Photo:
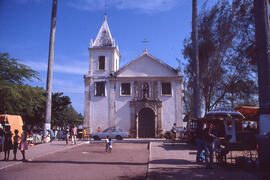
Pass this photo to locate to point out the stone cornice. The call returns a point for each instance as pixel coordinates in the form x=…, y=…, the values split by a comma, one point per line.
x=162, y=78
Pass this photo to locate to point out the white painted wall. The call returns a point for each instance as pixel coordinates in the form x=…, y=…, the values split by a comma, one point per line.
x=99, y=109
x=145, y=66
x=123, y=107
x=168, y=107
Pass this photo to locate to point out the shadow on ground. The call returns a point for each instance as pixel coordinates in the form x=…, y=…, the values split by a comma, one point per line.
x=177, y=146
x=173, y=169
x=88, y=162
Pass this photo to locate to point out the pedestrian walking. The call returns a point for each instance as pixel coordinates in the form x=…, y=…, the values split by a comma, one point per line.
x=173, y=133
x=52, y=135
x=200, y=157
x=84, y=134
x=107, y=143
x=16, y=138
x=67, y=136
x=7, y=142
x=23, y=144
x=74, y=134
x=110, y=145
x=210, y=135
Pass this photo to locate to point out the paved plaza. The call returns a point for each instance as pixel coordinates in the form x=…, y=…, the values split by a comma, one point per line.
x=130, y=159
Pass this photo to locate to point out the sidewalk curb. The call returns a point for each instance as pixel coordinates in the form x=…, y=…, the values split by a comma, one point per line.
x=149, y=159
x=17, y=163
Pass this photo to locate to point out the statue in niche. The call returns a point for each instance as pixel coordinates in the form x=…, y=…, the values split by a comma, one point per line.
x=145, y=90
x=136, y=91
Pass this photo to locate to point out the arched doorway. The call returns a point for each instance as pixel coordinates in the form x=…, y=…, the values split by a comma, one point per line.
x=146, y=123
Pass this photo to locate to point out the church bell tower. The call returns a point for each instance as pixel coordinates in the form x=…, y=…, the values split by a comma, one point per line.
x=103, y=53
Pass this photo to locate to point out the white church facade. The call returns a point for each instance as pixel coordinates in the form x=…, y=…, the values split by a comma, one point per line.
x=143, y=97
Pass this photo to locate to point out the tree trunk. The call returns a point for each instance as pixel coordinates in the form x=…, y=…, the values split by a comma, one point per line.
x=262, y=34
x=196, y=85
x=47, y=124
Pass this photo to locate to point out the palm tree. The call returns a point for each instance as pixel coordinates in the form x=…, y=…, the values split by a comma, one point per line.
x=196, y=85
x=47, y=124
x=262, y=34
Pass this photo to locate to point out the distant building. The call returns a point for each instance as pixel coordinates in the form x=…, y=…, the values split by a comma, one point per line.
x=143, y=97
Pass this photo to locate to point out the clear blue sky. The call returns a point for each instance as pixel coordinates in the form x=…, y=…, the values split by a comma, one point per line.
x=25, y=30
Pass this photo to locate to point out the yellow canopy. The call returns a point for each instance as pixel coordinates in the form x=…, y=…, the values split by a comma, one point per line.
x=15, y=122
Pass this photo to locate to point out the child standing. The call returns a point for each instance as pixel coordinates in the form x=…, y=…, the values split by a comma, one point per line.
x=15, y=144
x=23, y=144
x=67, y=137
x=107, y=143
x=110, y=145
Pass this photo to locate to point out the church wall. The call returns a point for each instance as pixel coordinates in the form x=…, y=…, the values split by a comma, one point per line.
x=141, y=69
x=99, y=111
x=168, y=108
x=123, y=108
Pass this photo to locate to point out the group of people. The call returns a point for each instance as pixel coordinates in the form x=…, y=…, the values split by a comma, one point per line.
x=207, y=140
x=19, y=142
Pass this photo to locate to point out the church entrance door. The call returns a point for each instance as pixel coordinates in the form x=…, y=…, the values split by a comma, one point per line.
x=146, y=123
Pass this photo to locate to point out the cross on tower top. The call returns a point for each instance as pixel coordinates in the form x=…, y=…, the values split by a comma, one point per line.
x=144, y=42
x=106, y=6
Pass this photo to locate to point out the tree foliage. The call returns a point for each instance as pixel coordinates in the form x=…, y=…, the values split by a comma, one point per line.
x=226, y=53
x=25, y=100
x=20, y=99
x=12, y=72
x=63, y=114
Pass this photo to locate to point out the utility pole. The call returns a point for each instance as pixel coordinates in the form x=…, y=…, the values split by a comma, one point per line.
x=262, y=34
x=47, y=124
x=263, y=61
x=195, y=60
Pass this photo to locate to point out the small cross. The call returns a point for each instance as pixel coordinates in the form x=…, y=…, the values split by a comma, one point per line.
x=106, y=6
x=144, y=42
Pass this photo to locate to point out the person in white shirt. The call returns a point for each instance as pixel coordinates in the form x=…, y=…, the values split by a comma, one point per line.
x=74, y=134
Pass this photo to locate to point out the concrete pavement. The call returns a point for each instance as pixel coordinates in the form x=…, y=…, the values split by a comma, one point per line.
x=37, y=151
x=169, y=161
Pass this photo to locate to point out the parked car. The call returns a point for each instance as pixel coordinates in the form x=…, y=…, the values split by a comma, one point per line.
x=114, y=133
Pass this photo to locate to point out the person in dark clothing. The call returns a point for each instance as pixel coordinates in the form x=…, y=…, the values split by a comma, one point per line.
x=225, y=149
x=210, y=134
x=16, y=138
x=7, y=142
x=199, y=142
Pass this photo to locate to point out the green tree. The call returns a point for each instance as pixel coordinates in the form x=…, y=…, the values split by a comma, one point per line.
x=12, y=72
x=59, y=105
x=25, y=100
x=17, y=98
x=71, y=117
x=226, y=52
x=63, y=114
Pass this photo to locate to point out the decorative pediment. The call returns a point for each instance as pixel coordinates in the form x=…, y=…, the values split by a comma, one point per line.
x=146, y=66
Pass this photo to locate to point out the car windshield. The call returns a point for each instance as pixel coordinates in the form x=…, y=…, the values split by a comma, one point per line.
x=113, y=130
x=108, y=130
